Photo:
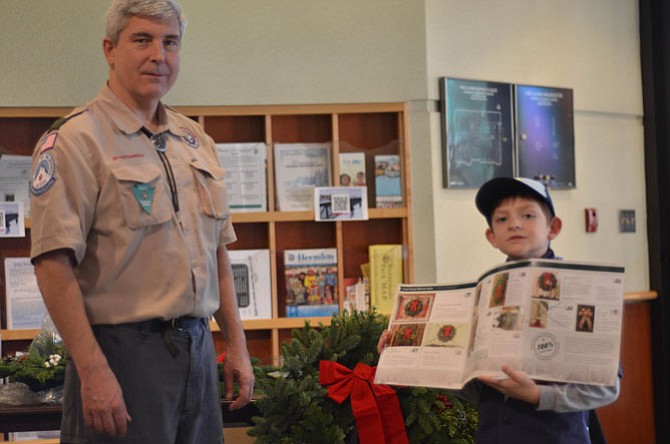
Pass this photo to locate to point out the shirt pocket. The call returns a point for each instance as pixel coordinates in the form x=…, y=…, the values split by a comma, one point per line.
x=211, y=190
x=143, y=195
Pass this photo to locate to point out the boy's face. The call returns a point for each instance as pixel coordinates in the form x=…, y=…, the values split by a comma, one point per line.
x=520, y=229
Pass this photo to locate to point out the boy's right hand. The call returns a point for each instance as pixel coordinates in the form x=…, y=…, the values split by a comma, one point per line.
x=517, y=385
x=383, y=341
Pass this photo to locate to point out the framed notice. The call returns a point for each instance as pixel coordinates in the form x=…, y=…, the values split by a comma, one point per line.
x=545, y=135
x=477, y=131
x=340, y=203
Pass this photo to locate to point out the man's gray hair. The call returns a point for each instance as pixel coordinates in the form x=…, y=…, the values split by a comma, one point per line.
x=121, y=11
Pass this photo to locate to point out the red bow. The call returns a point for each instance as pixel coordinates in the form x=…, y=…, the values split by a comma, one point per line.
x=367, y=401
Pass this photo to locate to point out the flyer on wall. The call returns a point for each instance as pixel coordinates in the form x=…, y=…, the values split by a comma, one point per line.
x=477, y=131
x=545, y=133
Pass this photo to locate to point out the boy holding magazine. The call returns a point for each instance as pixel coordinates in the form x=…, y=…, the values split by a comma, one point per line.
x=518, y=410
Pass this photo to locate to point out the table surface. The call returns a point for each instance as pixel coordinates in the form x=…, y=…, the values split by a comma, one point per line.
x=47, y=417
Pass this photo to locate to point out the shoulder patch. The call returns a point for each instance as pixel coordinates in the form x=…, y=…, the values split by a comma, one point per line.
x=58, y=123
x=44, y=175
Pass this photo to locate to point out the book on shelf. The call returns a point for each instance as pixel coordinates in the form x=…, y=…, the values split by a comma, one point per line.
x=244, y=165
x=299, y=168
x=386, y=272
x=311, y=282
x=251, y=275
x=25, y=306
x=555, y=320
x=388, y=181
x=352, y=170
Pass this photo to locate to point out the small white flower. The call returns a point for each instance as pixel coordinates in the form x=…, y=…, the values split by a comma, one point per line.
x=47, y=365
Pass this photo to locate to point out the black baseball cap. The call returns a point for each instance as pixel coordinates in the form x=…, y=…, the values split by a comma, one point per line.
x=499, y=188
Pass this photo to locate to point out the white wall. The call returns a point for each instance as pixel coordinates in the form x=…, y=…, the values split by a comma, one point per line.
x=316, y=51
x=235, y=52
x=589, y=46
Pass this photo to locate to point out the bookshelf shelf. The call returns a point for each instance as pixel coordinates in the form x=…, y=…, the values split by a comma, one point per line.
x=374, y=129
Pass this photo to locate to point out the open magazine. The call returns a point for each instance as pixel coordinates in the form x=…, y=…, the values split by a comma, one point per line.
x=555, y=320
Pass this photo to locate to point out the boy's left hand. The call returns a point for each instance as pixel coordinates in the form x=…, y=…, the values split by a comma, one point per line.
x=518, y=385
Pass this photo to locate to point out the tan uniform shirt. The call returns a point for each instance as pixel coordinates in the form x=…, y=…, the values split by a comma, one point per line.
x=101, y=190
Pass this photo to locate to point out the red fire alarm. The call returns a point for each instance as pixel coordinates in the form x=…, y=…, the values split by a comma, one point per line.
x=591, y=220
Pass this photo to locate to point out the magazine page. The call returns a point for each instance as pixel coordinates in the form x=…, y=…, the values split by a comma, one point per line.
x=503, y=294
x=568, y=329
x=430, y=335
x=555, y=320
x=299, y=168
x=310, y=277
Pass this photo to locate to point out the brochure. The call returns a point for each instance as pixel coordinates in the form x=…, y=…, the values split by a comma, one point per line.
x=15, y=178
x=251, y=274
x=244, y=164
x=25, y=306
x=12, y=219
x=386, y=273
x=352, y=169
x=388, y=181
x=555, y=320
x=299, y=168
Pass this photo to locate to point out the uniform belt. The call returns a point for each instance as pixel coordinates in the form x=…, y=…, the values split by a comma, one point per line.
x=178, y=324
x=166, y=327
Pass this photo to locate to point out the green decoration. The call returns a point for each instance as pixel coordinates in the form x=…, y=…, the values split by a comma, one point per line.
x=296, y=410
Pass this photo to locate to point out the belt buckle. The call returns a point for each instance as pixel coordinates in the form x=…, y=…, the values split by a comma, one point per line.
x=175, y=324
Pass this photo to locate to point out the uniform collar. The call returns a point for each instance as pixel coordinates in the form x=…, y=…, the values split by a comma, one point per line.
x=549, y=254
x=127, y=122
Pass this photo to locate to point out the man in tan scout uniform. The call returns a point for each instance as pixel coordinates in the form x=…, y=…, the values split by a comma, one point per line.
x=129, y=234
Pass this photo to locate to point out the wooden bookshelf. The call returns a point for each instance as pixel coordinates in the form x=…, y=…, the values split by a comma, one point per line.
x=376, y=128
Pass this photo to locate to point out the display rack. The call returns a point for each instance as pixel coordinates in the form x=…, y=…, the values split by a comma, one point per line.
x=379, y=128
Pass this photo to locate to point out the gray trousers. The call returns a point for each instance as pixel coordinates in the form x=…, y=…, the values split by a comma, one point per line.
x=169, y=380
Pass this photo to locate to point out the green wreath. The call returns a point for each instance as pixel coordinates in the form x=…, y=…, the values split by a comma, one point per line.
x=446, y=333
x=413, y=307
x=294, y=406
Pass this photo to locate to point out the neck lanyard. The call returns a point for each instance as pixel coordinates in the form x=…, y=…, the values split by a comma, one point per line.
x=158, y=141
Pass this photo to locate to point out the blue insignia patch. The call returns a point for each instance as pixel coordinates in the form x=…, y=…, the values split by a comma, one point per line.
x=144, y=193
x=44, y=175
